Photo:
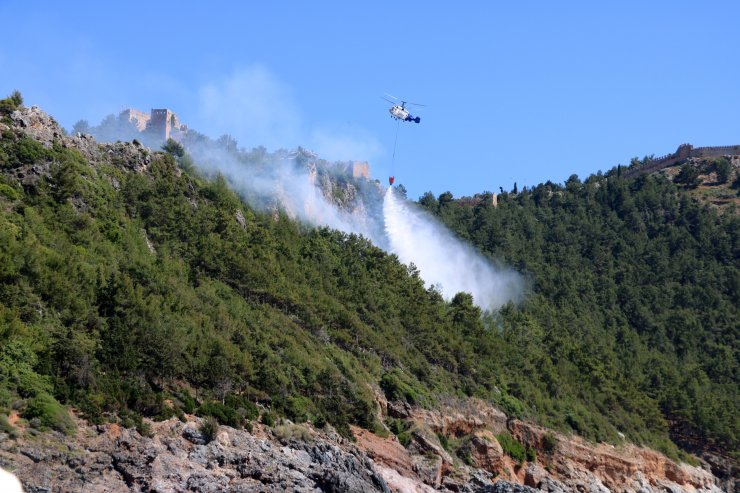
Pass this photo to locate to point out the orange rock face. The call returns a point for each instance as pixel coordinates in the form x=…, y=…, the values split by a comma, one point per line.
x=386, y=451
x=563, y=462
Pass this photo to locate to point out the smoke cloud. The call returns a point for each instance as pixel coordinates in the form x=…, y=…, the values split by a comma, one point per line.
x=272, y=181
x=397, y=226
x=445, y=261
x=252, y=105
x=256, y=108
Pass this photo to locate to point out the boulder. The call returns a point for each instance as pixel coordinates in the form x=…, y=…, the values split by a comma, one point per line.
x=485, y=451
x=428, y=469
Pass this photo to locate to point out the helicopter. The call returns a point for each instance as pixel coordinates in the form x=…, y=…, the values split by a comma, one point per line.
x=399, y=111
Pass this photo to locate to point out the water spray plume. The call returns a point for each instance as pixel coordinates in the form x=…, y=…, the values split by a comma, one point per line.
x=445, y=261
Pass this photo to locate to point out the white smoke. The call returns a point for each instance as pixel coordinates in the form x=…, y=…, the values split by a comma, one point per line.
x=445, y=261
x=284, y=184
x=346, y=143
x=404, y=229
x=255, y=106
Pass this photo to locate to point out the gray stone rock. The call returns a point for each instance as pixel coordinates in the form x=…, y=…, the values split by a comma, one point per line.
x=506, y=487
x=175, y=460
x=194, y=435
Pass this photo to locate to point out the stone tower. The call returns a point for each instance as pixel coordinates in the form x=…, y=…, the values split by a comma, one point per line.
x=162, y=122
x=361, y=169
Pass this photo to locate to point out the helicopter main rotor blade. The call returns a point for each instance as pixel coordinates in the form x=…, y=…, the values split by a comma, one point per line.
x=415, y=104
x=392, y=102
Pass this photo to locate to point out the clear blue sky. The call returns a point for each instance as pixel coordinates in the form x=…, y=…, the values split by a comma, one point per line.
x=515, y=91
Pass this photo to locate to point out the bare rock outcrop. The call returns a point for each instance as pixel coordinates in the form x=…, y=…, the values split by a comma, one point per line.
x=37, y=125
x=564, y=464
x=460, y=418
x=176, y=458
x=485, y=452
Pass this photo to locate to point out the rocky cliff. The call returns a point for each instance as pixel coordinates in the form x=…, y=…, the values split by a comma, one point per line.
x=175, y=456
x=456, y=445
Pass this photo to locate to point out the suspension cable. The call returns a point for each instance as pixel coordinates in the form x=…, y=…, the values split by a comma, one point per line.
x=395, y=141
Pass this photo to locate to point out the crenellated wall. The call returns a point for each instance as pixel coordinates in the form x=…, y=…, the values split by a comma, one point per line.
x=716, y=151
x=684, y=152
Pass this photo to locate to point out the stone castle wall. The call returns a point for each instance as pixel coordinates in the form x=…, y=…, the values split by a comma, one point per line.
x=136, y=118
x=161, y=122
x=684, y=152
x=716, y=151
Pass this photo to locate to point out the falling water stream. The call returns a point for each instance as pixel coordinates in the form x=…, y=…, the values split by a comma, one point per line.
x=443, y=260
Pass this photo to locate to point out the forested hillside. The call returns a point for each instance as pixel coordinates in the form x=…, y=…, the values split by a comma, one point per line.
x=131, y=286
x=634, y=313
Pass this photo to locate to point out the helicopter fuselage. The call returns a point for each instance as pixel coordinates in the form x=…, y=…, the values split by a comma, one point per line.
x=400, y=113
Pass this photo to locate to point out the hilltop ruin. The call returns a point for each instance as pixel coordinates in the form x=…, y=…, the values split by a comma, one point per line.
x=162, y=123
x=683, y=153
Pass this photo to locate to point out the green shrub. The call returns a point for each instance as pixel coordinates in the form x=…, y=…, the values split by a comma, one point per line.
x=9, y=191
x=268, y=419
x=320, y=421
x=549, y=442
x=398, y=386
x=244, y=407
x=226, y=415
x=404, y=438
x=11, y=103
x=29, y=151
x=50, y=413
x=292, y=432
x=400, y=428
x=466, y=457
x=444, y=441
x=723, y=167
x=92, y=405
x=17, y=362
x=297, y=408
x=511, y=447
x=531, y=455
x=6, y=399
x=167, y=412
x=511, y=405
x=188, y=403
x=144, y=428
x=688, y=175
x=378, y=429
x=576, y=422
x=6, y=427
x=209, y=427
